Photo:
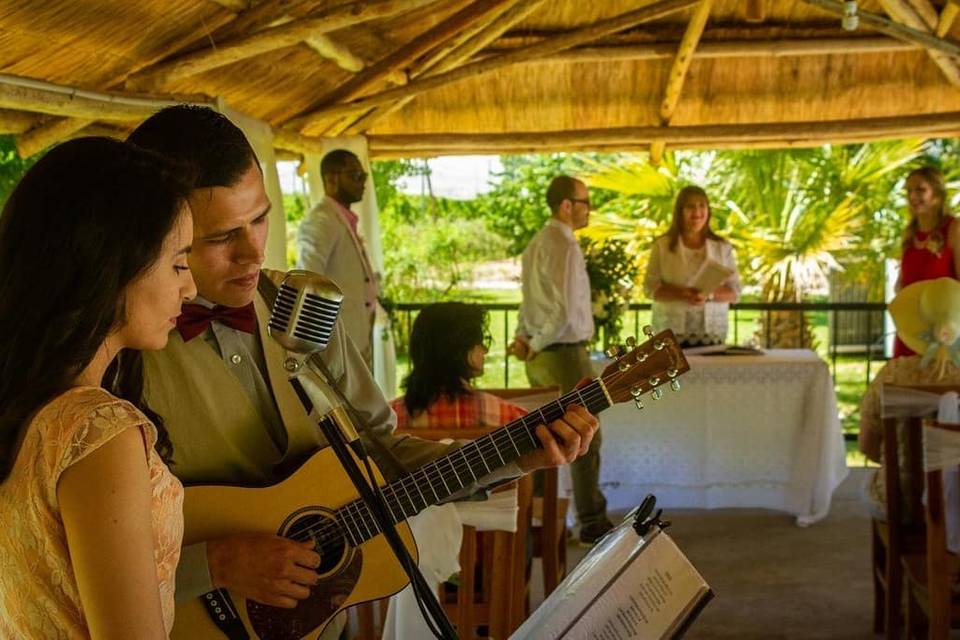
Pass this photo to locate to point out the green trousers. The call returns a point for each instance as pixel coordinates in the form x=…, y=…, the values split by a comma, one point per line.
x=564, y=367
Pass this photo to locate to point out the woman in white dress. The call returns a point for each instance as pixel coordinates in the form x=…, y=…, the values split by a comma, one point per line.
x=692, y=274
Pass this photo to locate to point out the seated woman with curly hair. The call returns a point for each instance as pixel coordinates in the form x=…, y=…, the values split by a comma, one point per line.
x=447, y=347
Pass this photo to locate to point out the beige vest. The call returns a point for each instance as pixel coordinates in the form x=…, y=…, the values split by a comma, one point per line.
x=216, y=430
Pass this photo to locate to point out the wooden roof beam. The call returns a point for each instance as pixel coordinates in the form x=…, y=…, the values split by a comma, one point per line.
x=404, y=56
x=756, y=11
x=920, y=15
x=461, y=50
x=947, y=18
x=271, y=39
x=679, y=69
x=341, y=55
x=574, y=38
x=698, y=136
x=39, y=138
x=894, y=29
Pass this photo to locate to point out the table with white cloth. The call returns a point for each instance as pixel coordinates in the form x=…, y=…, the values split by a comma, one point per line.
x=759, y=431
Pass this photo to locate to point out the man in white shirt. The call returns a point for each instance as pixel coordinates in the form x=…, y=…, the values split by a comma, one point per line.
x=556, y=323
x=329, y=243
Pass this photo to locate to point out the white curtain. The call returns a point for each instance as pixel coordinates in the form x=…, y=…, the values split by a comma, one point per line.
x=260, y=136
x=384, y=353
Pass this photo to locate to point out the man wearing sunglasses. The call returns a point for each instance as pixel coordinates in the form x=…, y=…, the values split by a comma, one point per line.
x=329, y=243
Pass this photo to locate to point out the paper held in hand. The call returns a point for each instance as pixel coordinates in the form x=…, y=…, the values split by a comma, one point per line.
x=709, y=276
x=627, y=588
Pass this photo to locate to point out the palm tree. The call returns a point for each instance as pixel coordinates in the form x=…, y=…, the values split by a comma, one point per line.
x=794, y=215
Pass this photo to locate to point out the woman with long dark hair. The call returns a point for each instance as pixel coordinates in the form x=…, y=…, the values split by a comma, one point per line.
x=93, y=248
x=931, y=241
x=676, y=260
x=447, y=348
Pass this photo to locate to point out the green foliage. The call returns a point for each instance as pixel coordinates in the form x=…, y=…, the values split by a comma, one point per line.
x=612, y=271
x=12, y=166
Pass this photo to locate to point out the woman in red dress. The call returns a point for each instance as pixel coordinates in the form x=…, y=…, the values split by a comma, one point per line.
x=931, y=243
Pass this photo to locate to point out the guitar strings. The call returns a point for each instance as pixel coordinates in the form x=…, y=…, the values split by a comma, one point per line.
x=358, y=512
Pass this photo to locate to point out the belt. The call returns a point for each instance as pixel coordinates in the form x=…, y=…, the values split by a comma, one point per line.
x=564, y=345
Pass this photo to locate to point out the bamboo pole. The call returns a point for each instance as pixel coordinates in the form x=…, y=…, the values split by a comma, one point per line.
x=734, y=49
x=39, y=138
x=947, y=18
x=236, y=6
x=679, y=69
x=26, y=94
x=917, y=15
x=405, y=55
x=12, y=121
x=270, y=39
x=744, y=134
x=473, y=41
x=891, y=28
x=583, y=35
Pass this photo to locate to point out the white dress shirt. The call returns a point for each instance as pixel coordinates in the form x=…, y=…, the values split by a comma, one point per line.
x=556, y=290
x=706, y=323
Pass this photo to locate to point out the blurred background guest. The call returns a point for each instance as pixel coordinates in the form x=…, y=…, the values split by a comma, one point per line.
x=676, y=260
x=931, y=242
x=447, y=348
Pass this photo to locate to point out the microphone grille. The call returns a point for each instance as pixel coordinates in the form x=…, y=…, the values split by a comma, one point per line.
x=305, y=312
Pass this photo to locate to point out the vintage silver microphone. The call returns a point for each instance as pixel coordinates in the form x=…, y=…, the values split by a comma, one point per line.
x=305, y=312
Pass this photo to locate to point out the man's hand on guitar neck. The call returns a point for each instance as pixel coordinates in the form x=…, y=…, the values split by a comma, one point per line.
x=266, y=568
x=564, y=440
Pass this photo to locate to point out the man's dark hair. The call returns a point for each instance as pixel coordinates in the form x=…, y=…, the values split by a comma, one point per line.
x=442, y=336
x=86, y=221
x=335, y=161
x=200, y=138
x=561, y=188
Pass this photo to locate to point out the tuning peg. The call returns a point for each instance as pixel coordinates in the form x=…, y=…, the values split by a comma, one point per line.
x=675, y=385
x=638, y=403
x=636, y=392
x=613, y=351
x=631, y=342
x=672, y=373
x=656, y=394
x=623, y=365
x=642, y=357
x=658, y=345
x=648, y=331
x=654, y=381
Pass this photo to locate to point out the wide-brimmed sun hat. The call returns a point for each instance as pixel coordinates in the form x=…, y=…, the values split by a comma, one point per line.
x=927, y=316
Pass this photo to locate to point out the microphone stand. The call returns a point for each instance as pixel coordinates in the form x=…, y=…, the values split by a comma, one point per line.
x=371, y=497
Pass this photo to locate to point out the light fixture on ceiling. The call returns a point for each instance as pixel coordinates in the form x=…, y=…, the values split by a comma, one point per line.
x=851, y=18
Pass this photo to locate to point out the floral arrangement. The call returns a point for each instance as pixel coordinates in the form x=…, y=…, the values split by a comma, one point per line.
x=613, y=272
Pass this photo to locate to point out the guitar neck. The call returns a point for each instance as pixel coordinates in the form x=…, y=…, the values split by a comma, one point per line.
x=436, y=481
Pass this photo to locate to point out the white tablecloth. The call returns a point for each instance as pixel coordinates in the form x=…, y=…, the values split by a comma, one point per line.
x=744, y=431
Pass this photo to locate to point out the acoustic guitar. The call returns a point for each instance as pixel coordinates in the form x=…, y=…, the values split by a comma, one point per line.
x=317, y=502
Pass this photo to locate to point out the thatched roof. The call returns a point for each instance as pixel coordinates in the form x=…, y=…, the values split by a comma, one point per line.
x=490, y=75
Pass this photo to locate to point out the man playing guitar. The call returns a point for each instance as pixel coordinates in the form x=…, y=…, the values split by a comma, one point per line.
x=220, y=385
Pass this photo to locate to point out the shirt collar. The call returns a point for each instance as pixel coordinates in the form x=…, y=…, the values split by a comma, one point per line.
x=567, y=231
x=349, y=217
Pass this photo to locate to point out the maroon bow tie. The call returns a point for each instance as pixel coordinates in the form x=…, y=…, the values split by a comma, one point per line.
x=195, y=318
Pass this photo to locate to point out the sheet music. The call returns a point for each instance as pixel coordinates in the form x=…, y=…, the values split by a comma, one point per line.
x=627, y=588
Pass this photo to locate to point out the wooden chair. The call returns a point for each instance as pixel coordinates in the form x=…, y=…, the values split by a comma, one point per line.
x=499, y=556
x=902, y=532
x=549, y=511
x=933, y=605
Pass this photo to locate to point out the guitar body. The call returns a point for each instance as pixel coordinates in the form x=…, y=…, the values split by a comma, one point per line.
x=306, y=499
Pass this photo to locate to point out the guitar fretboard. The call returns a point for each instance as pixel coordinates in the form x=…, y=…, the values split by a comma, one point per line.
x=438, y=480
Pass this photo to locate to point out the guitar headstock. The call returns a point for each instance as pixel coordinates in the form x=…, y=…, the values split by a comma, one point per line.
x=645, y=367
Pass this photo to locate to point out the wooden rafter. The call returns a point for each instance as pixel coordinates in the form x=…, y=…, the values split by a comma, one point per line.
x=271, y=39
x=679, y=69
x=41, y=137
x=406, y=54
x=344, y=58
x=699, y=136
x=236, y=6
x=459, y=54
x=947, y=17
x=920, y=15
x=735, y=49
x=576, y=37
x=755, y=11
x=891, y=28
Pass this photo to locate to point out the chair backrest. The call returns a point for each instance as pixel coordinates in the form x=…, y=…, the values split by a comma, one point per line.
x=941, y=564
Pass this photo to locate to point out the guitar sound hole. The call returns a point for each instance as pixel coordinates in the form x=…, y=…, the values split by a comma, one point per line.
x=318, y=524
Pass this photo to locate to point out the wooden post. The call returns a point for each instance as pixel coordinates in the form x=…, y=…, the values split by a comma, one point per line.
x=678, y=72
x=270, y=39
x=583, y=35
